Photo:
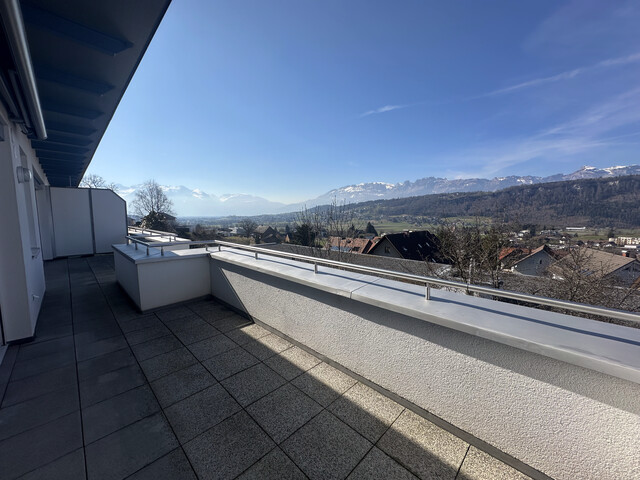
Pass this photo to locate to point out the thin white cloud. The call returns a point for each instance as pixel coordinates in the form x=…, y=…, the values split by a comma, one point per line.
x=603, y=125
x=386, y=108
x=611, y=62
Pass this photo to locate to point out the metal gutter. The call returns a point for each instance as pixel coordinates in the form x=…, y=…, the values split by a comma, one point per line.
x=14, y=27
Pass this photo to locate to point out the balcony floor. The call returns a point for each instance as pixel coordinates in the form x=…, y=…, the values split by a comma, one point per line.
x=197, y=391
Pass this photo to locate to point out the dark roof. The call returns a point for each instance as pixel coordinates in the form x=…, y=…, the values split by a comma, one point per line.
x=84, y=54
x=420, y=245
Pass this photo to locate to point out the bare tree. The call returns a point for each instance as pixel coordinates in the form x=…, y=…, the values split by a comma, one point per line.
x=92, y=180
x=341, y=223
x=581, y=277
x=473, y=250
x=248, y=225
x=151, y=198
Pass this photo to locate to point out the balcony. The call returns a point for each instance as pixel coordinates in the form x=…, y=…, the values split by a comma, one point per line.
x=196, y=390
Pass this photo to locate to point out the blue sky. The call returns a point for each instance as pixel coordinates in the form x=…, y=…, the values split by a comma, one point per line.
x=288, y=99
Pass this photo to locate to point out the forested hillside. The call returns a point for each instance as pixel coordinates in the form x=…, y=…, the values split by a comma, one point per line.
x=591, y=202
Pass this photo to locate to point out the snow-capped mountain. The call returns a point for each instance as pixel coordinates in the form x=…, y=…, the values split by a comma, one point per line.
x=187, y=202
x=429, y=185
x=196, y=202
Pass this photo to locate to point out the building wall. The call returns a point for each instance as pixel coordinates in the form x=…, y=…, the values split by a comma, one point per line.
x=22, y=284
x=384, y=248
x=567, y=421
x=535, y=264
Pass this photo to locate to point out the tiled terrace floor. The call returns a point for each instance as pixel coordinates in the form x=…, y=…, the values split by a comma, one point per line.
x=197, y=391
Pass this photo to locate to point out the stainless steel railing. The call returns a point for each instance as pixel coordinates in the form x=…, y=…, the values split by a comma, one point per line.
x=427, y=281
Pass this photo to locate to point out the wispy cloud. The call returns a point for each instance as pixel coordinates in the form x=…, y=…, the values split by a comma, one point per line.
x=608, y=124
x=611, y=62
x=386, y=108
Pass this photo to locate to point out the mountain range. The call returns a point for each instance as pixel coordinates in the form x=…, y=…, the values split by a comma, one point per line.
x=195, y=202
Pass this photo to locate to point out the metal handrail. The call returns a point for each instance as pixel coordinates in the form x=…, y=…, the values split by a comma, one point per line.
x=427, y=281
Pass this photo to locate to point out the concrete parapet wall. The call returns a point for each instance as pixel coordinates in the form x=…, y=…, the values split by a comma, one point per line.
x=562, y=419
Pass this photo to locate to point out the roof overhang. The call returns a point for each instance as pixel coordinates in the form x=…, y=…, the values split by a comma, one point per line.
x=83, y=55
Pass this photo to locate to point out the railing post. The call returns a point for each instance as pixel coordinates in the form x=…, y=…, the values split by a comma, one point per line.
x=427, y=292
x=162, y=251
x=219, y=248
x=256, y=255
x=136, y=244
x=315, y=267
x=147, y=249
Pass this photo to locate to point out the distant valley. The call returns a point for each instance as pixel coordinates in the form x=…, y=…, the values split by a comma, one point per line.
x=195, y=202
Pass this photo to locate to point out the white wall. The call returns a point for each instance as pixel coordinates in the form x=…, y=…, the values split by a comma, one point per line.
x=109, y=219
x=22, y=282
x=85, y=221
x=567, y=421
x=71, y=221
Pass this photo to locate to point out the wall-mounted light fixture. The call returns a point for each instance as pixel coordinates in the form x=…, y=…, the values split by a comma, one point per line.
x=24, y=175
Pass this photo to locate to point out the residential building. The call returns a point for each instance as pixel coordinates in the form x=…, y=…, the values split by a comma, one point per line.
x=349, y=244
x=267, y=234
x=623, y=270
x=536, y=263
x=413, y=245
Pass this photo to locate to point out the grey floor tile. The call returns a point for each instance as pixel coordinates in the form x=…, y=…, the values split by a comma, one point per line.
x=167, y=363
x=105, y=363
x=326, y=448
x=366, y=411
x=37, y=411
x=201, y=411
x=266, y=346
x=184, y=323
x=161, y=345
x=172, y=313
x=116, y=412
x=246, y=334
x=36, y=385
x=43, y=364
x=229, y=448
x=253, y=383
x=196, y=333
x=214, y=313
x=379, y=466
x=230, y=322
x=128, y=450
x=146, y=334
x=274, y=465
x=292, y=362
x=70, y=466
x=96, y=334
x=28, y=352
x=51, y=332
x=39, y=446
x=173, y=466
x=229, y=363
x=139, y=323
x=479, y=465
x=107, y=385
x=423, y=448
x=324, y=383
x=211, y=347
x=283, y=411
x=101, y=347
x=181, y=384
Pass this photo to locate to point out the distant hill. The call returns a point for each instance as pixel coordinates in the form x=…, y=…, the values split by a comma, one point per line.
x=596, y=202
x=195, y=202
x=425, y=186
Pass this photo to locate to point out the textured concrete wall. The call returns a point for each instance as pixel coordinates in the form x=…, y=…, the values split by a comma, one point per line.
x=566, y=421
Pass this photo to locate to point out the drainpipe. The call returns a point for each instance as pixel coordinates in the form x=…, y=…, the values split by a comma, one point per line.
x=14, y=28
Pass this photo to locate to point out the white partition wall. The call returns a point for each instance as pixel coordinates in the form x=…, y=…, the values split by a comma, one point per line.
x=109, y=219
x=83, y=221
x=71, y=221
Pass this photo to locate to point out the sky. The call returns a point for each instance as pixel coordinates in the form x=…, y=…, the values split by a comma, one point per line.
x=287, y=99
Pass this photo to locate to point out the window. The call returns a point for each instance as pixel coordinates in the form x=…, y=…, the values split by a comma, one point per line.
x=387, y=249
